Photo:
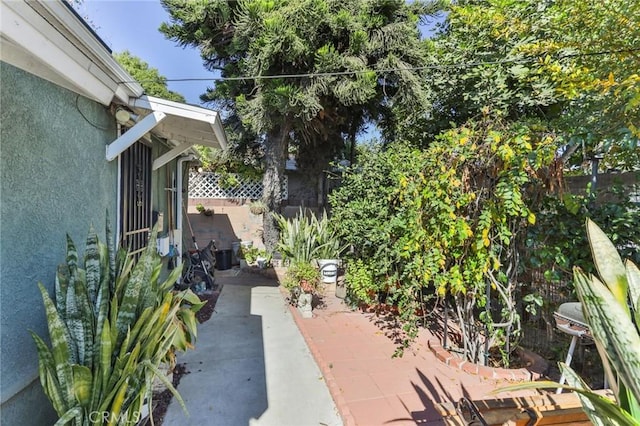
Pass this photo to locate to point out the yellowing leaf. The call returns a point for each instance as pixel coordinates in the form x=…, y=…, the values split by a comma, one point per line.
x=531, y=218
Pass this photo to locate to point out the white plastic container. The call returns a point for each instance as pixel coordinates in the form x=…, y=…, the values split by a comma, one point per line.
x=328, y=270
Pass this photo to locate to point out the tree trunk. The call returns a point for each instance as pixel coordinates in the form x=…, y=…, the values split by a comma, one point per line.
x=272, y=183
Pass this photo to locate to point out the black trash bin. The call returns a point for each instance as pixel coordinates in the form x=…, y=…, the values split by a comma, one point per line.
x=223, y=259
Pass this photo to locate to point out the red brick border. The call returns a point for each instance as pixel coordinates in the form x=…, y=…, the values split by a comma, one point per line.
x=534, y=372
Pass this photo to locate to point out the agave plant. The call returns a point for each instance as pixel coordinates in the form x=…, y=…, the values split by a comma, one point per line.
x=112, y=323
x=298, y=237
x=611, y=303
x=305, y=238
x=328, y=243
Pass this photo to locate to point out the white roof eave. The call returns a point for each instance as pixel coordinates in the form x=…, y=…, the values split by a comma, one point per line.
x=47, y=39
x=184, y=117
x=181, y=124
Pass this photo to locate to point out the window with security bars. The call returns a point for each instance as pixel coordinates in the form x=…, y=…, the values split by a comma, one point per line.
x=135, y=205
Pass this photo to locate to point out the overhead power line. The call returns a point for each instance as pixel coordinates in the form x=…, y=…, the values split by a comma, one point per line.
x=388, y=70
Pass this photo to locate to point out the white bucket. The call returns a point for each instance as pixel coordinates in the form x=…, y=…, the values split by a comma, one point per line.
x=235, y=246
x=328, y=270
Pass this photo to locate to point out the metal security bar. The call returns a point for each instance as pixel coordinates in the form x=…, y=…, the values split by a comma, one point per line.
x=135, y=189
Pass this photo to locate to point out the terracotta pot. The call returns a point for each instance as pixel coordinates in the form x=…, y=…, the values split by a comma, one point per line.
x=306, y=286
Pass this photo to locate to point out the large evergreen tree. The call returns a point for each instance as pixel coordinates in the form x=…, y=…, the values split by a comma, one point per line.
x=351, y=61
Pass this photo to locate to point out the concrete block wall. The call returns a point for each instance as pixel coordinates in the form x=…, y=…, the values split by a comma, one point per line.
x=231, y=221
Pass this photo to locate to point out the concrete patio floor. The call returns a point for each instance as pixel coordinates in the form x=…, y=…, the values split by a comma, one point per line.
x=253, y=367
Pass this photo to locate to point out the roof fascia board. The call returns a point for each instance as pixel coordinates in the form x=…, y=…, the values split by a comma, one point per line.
x=174, y=108
x=218, y=129
x=183, y=110
x=95, y=47
x=19, y=58
x=130, y=137
x=23, y=29
x=60, y=47
x=170, y=155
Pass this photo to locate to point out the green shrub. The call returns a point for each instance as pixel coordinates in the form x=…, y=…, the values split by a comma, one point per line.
x=327, y=239
x=303, y=275
x=297, y=238
x=359, y=279
x=367, y=216
x=447, y=222
x=305, y=238
x=250, y=254
x=557, y=242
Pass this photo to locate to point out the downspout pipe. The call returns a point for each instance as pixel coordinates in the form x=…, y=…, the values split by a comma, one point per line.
x=180, y=199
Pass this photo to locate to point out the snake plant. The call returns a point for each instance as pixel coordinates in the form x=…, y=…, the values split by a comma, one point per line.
x=305, y=238
x=111, y=324
x=611, y=303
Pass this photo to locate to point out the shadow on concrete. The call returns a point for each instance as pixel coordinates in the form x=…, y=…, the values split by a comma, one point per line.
x=226, y=380
x=251, y=365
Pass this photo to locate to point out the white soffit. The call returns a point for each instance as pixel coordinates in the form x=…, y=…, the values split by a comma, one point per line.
x=184, y=123
x=181, y=124
x=47, y=39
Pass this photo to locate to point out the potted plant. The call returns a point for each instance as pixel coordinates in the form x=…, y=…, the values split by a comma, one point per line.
x=203, y=210
x=263, y=259
x=250, y=254
x=302, y=280
x=257, y=207
x=328, y=259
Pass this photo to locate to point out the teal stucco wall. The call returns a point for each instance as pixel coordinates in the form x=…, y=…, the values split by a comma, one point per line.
x=54, y=180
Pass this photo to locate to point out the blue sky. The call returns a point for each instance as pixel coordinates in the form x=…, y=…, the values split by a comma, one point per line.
x=133, y=25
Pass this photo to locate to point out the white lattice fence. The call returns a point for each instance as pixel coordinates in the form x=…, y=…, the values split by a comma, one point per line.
x=205, y=185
